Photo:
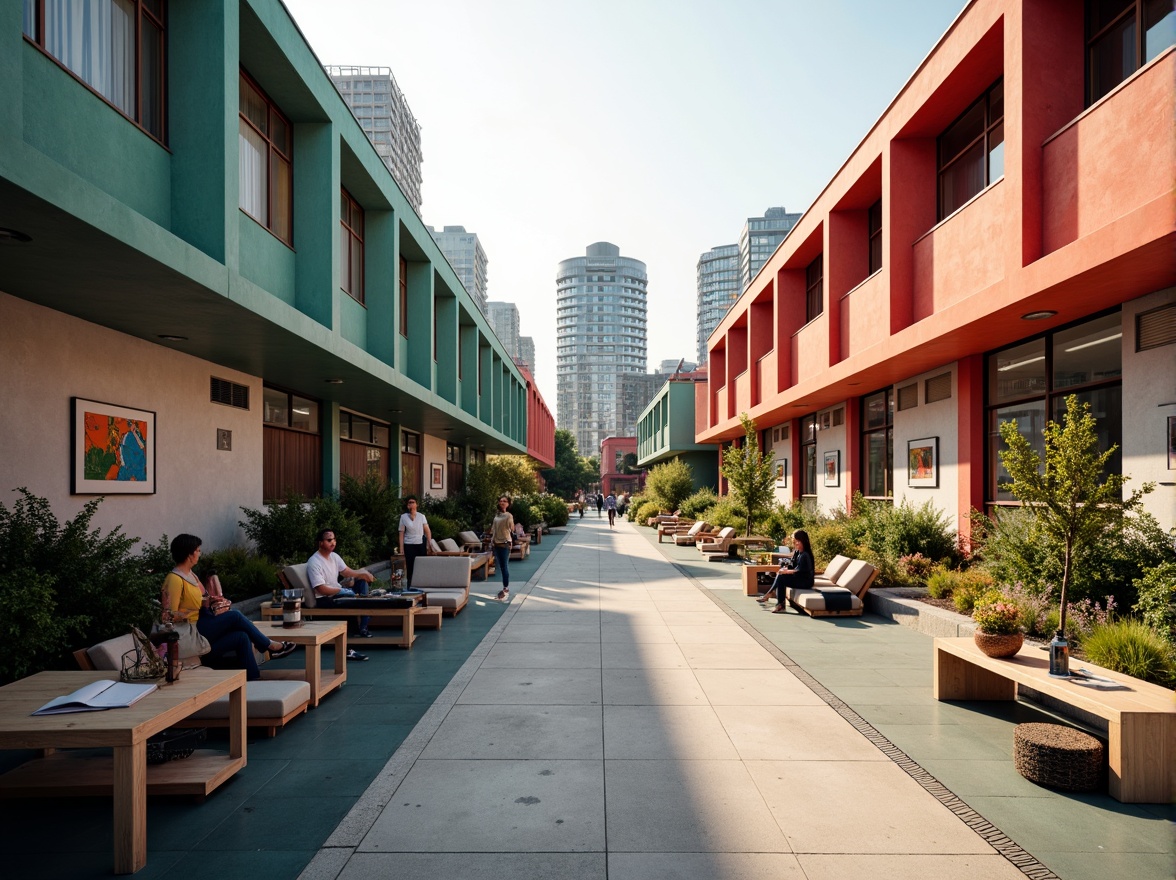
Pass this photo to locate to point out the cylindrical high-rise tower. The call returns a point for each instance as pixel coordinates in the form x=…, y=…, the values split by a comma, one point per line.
x=600, y=311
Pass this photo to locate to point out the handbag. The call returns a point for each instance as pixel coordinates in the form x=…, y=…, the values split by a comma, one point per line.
x=192, y=643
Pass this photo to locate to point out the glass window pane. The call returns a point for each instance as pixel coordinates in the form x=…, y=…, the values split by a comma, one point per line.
x=97, y=42
x=962, y=179
x=356, y=268
x=1030, y=419
x=30, y=18
x=279, y=132
x=1100, y=13
x=380, y=435
x=275, y=407
x=282, y=217
x=155, y=7
x=1159, y=33
x=1017, y=372
x=955, y=139
x=304, y=414
x=361, y=429
x=1112, y=58
x=996, y=153
x=344, y=426
x=876, y=410
x=877, y=463
x=996, y=103
x=1091, y=352
x=253, y=106
x=254, y=187
x=150, y=77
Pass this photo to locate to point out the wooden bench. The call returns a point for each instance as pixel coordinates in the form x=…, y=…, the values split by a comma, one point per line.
x=1141, y=717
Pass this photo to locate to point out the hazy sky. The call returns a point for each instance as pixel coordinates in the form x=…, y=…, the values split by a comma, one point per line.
x=658, y=125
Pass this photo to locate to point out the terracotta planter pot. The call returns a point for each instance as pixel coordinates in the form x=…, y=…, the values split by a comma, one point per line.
x=995, y=645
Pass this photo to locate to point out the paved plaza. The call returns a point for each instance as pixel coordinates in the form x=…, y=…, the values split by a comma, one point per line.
x=629, y=715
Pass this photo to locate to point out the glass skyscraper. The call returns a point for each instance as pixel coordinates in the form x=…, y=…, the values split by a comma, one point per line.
x=759, y=239
x=464, y=252
x=600, y=335
x=718, y=287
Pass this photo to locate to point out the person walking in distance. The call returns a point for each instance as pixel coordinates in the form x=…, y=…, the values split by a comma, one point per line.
x=610, y=504
x=599, y=504
x=501, y=536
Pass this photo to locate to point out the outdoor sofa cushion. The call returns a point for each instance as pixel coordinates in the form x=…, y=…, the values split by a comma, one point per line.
x=299, y=580
x=835, y=567
x=446, y=580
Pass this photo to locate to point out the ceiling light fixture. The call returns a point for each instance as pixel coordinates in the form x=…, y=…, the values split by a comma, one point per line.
x=1023, y=363
x=1038, y=316
x=172, y=338
x=334, y=381
x=1094, y=342
x=7, y=234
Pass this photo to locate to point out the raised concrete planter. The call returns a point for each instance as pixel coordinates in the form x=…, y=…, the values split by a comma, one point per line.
x=899, y=606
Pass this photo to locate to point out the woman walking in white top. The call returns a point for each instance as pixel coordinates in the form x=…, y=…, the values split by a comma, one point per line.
x=414, y=534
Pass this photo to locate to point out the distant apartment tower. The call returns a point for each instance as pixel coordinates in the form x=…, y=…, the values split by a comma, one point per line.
x=465, y=255
x=635, y=391
x=527, y=353
x=600, y=303
x=719, y=285
x=504, y=320
x=759, y=239
x=383, y=113
x=669, y=367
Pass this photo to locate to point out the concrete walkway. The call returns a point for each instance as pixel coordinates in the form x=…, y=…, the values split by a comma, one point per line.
x=618, y=722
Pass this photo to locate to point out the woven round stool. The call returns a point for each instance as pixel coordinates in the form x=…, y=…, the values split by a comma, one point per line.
x=1058, y=756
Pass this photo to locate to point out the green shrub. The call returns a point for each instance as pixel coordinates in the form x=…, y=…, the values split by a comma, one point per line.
x=941, y=582
x=440, y=527
x=641, y=510
x=695, y=506
x=524, y=511
x=669, y=483
x=284, y=531
x=377, y=505
x=966, y=592
x=728, y=512
x=834, y=538
x=555, y=510
x=63, y=586
x=1157, y=599
x=1131, y=647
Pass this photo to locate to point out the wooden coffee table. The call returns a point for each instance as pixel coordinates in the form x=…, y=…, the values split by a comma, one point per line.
x=312, y=634
x=126, y=774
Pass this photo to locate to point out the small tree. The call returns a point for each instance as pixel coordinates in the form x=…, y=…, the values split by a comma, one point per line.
x=669, y=483
x=1072, y=503
x=752, y=477
x=572, y=471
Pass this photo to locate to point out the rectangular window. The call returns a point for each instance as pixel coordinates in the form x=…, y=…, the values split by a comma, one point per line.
x=1116, y=45
x=808, y=455
x=351, y=246
x=971, y=151
x=266, y=162
x=1028, y=383
x=874, y=223
x=116, y=47
x=404, y=297
x=286, y=410
x=878, y=444
x=814, y=297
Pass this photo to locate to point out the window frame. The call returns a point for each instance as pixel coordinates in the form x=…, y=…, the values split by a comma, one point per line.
x=806, y=471
x=1134, y=10
x=290, y=395
x=403, y=328
x=268, y=222
x=814, y=288
x=887, y=431
x=351, y=234
x=37, y=39
x=945, y=165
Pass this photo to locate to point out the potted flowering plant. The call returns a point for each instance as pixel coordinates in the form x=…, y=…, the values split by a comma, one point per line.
x=998, y=633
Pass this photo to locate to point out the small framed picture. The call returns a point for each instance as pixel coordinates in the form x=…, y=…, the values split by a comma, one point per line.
x=113, y=449
x=436, y=476
x=833, y=468
x=781, y=472
x=923, y=463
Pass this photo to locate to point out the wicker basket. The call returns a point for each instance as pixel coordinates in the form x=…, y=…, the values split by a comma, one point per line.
x=998, y=645
x=1058, y=756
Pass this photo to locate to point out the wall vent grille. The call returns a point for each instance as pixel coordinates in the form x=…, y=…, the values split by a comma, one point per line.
x=938, y=388
x=229, y=393
x=1155, y=328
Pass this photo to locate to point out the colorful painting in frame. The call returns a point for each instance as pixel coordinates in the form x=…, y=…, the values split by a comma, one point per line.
x=923, y=463
x=833, y=468
x=113, y=449
x=436, y=476
x=781, y=472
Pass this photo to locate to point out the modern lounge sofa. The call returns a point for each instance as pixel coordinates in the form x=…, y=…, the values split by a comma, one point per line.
x=445, y=580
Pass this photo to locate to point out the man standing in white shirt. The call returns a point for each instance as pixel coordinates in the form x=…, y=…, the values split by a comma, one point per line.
x=323, y=570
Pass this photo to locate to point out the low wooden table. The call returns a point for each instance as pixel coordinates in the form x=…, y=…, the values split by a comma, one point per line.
x=750, y=586
x=1141, y=717
x=126, y=774
x=746, y=544
x=406, y=616
x=313, y=634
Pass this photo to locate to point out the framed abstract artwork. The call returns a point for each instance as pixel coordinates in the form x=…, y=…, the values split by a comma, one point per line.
x=781, y=472
x=113, y=449
x=436, y=476
x=923, y=463
x=833, y=468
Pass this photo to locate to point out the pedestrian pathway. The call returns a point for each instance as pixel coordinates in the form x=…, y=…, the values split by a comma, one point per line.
x=617, y=721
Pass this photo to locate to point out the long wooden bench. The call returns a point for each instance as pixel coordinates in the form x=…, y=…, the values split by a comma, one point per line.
x=1141, y=717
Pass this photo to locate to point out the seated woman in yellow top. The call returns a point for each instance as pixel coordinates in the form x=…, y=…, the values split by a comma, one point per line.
x=229, y=632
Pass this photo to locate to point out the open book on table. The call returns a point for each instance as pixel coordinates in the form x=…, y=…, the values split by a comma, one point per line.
x=97, y=695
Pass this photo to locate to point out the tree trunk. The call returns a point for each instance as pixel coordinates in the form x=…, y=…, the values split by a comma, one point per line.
x=1065, y=583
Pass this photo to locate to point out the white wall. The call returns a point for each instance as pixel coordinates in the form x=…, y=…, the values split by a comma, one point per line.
x=1149, y=382
x=782, y=449
x=831, y=439
x=433, y=452
x=939, y=419
x=49, y=357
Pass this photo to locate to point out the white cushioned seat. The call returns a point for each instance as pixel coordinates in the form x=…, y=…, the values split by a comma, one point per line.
x=299, y=580
x=445, y=579
x=815, y=599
